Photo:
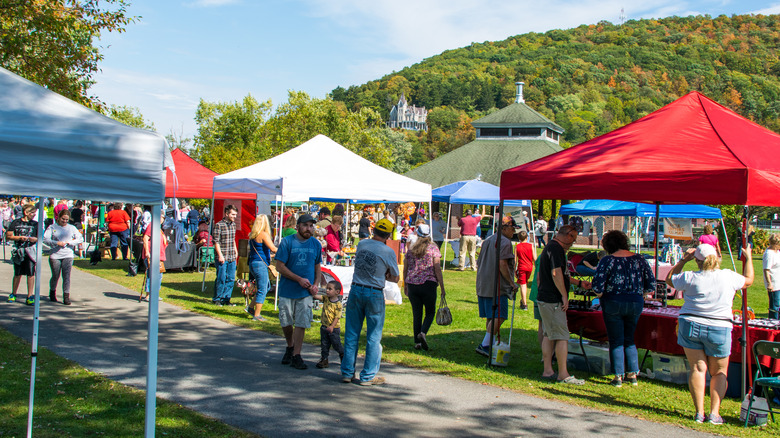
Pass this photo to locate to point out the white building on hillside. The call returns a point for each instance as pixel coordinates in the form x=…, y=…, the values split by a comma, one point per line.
x=407, y=116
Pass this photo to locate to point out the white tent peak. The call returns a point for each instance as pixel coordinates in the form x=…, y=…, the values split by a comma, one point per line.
x=320, y=168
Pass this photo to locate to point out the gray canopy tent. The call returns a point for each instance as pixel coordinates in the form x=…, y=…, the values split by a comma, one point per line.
x=77, y=153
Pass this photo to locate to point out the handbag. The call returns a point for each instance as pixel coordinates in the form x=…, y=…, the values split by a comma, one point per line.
x=32, y=252
x=443, y=315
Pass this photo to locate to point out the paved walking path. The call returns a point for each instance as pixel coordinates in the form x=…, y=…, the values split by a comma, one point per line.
x=233, y=374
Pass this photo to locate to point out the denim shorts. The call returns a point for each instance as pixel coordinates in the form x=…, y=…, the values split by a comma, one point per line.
x=715, y=341
x=486, y=307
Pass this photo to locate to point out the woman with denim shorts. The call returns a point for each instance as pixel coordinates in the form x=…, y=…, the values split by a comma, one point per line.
x=621, y=280
x=260, y=248
x=705, y=322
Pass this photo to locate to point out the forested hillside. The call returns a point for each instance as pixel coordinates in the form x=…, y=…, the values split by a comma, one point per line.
x=591, y=79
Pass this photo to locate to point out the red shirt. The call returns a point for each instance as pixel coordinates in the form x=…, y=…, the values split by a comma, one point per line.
x=525, y=256
x=117, y=220
x=163, y=243
x=468, y=225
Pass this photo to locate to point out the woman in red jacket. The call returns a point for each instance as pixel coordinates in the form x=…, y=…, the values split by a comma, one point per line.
x=333, y=238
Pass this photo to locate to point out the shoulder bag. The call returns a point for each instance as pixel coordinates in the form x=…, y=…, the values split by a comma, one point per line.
x=443, y=315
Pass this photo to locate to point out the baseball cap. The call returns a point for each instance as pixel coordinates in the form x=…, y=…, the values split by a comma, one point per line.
x=704, y=250
x=509, y=220
x=423, y=230
x=384, y=225
x=305, y=218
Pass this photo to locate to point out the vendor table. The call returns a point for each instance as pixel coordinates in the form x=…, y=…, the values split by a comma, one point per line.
x=657, y=331
x=344, y=273
x=174, y=259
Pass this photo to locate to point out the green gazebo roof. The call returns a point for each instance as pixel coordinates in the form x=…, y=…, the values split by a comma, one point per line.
x=486, y=157
x=516, y=115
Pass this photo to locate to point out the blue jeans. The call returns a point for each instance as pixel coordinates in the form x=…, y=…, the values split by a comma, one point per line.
x=223, y=284
x=620, y=319
x=117, y=238
x=259, y=271
x=369, y=304
x=774, y=304
x=540, y=241
x=193, y=228
x=584, y=270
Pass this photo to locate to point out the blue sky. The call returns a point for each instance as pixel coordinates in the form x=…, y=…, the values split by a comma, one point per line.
x=181, y=51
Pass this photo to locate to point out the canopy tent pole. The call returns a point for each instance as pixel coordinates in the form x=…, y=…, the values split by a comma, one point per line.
x=743, y=340
x=211, y=232
x=497, y=229
x=154, y=303
x=655, y=244
x=278, y=275
x=534, y=245
x=446, y=237
x=36, y=314
x=728, y=245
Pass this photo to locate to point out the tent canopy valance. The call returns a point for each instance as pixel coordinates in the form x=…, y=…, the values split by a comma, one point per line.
x=52, y=146
x=605, y=207
x=473, y=192
x=321, y=168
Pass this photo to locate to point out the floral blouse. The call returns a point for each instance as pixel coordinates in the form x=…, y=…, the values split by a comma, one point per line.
x=623, y=278
x=421, y=270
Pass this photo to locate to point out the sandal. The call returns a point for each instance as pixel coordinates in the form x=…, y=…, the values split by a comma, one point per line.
x=571, y=380
x=553, y=377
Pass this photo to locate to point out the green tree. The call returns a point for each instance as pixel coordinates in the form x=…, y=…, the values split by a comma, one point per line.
x=130, y=116
x=51, y=42
x=230, y=135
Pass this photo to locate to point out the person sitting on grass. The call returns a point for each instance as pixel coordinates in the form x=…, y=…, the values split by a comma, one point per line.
x=330, y=332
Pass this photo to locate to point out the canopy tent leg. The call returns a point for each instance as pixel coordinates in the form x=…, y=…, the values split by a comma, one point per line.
x=743, y=340
x=531, y=206
x=154, y=303
x=446, y=237
x=276, y=290
x=36, y=315
x=211, y=229
x=728, y=245
x=655, y=242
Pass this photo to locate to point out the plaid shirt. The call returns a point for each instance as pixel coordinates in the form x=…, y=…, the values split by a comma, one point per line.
x=225, y=236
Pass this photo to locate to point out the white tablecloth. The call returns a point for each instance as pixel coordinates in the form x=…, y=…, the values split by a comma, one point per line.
x=344, y=273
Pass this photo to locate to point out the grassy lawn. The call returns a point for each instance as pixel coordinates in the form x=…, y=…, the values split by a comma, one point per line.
x=452, y=349
x=73, y=402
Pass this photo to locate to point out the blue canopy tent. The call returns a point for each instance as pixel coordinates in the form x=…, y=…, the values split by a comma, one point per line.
x=605, y=207
x=472, y=192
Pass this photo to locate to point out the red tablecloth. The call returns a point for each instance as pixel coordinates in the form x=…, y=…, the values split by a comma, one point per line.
x=657, y=331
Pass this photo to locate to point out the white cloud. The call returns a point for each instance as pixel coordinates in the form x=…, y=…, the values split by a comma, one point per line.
x=774, y=9
x=419, y=29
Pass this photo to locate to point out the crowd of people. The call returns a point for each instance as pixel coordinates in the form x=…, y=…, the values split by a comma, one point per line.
x=621, y=279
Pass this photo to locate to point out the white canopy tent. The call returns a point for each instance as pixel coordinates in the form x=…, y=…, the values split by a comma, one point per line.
x=321, y=168
x=325, y=170
x=54, y=147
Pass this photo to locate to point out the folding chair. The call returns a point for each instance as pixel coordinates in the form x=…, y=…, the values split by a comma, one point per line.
x=764, y=348
x=205, y=256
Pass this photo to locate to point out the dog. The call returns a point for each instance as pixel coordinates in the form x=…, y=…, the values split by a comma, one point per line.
x=248, y=290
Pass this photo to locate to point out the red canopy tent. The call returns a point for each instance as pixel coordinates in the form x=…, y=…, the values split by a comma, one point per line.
x=193, y=180
x=693, y=150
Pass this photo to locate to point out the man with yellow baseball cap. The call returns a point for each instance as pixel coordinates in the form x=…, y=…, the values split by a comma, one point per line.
x=375, y=262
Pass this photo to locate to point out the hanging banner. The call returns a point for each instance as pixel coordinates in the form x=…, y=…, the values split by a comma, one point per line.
x=678, y=228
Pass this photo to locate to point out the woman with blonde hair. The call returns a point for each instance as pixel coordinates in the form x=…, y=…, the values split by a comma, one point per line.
x=288, y=226
x=771, y=265
x=260, y=248
x=705, y=322
x=422, y=274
